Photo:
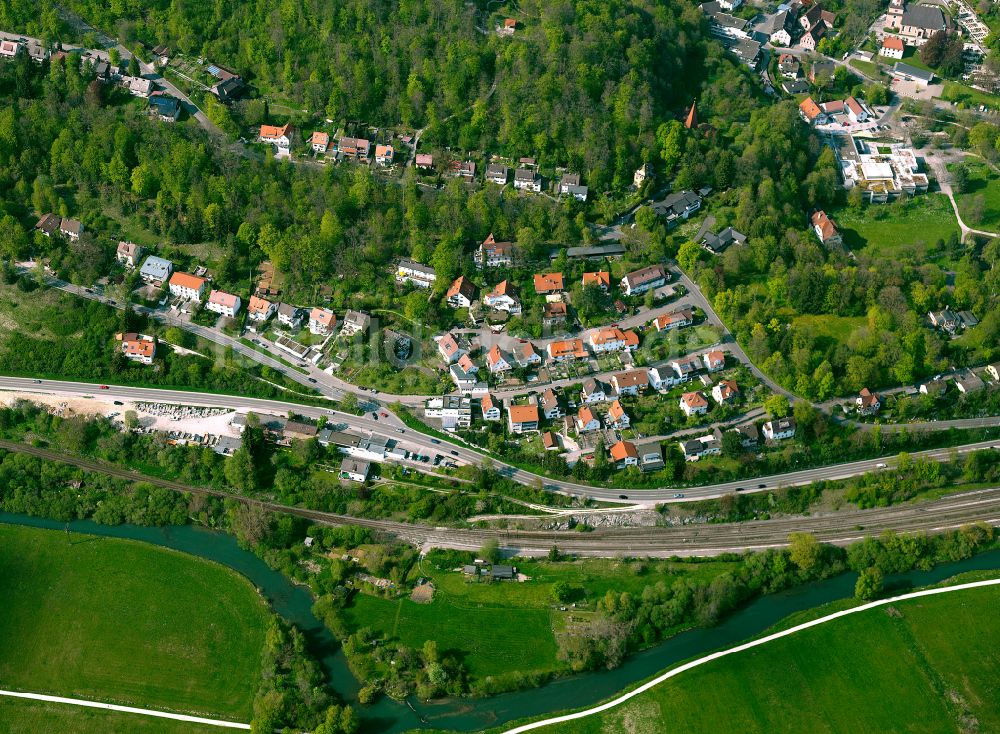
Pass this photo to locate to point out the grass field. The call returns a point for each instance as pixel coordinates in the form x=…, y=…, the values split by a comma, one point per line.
x=836, y=328
x=502, y=627
x=924, y=665
x=908, y=233
x=30, y=717
x=982, y=183
x=127, y=622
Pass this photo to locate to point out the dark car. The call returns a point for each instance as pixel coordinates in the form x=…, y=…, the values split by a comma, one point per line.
x=434, y=440
x=623, y=496
x=119, y=402
x=454, y=453
x=312, y=379
x=761, y=486
x=375, y=416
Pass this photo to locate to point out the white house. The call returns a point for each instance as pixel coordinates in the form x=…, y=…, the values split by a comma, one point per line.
x=693, y=403
x=630, y=382
x=155, y=269
x=449, y=348
x=453, y=411
x=892, y=47
x=461, y=294
x=779, y=429
x=280, y=137
x=503, y=298
x=617, y=417
x=260, y=309
x=186, y=286
x=714, y=360
x=497, y=361
x=354, y=470
x=527, y=180
x=138, y=347
x=490, y=408
x=586, y=421
x=551, y=408
x=594, y=391
x=226, y=304
x=128, y=254
x=410, y=271
x=624, y=454
x=322, y=321
x=355, y=322
x=522, y=418
x=695, y=448
x=289, y=315
x=640, y=281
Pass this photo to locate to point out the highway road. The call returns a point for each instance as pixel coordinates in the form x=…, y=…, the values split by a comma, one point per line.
x=839, y=528
x=391, y=428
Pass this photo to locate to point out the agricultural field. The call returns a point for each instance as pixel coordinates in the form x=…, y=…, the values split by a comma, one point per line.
x=908, y=231
x=923, y=665
x=127, y=622
x=500, y=627
x=18, y=716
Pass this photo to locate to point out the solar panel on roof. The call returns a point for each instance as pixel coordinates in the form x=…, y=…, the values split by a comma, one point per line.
x=213, y=70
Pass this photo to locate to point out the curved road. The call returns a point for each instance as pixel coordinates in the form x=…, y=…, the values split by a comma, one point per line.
x=366, y=425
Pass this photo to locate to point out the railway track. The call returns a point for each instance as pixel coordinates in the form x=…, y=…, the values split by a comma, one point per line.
x=710, y=539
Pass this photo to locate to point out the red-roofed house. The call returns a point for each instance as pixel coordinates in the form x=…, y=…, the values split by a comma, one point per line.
x=226, y=304
x=825, y=229
x=617, y=417
x=674, y=320
x=892, y=47
x=260, y=309
x=322, y=321
x=566, y=351
x=497, y=361
x=548, y=283
x=187, y=286
x=503, y=298
x=714, y=360
x=586, y=421
x=320, y=141
x=867, y=402
x=490, y=407
x=624, y=454
x=279, y=136
x=522, y=418
x=601, y=278
x=725, y=391
x=693, y=403
x=461, y=293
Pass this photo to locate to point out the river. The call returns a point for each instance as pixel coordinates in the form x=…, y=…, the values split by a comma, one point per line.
x=294, y=604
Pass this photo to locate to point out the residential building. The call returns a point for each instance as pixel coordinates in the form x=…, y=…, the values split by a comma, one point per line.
x=384, y=155
x=650, y=456
x=780, y=429
x=525, y=354
x=466, y=363
x=137, y=86
x=811, y=38
x=71, y=229
x=777, y=29
x=718, y=242
x=165, y=107
x=155, y=270
x=892, y=48
x=522, y=418
x=569, y=185
x=355, y=148
x=814, y=16
x=503, y=298
x=594, y=391
x=551, y=408
x=420, y=275
x=694, y=449
x=554, y=313
x=567, y=350
x=640, y=281
x=9, y=49
x=225, y=304
x=677, y=207
x=425, y=161
x=548, y=283
x=749, y=435
x=994, y=370
x=883, y=170
x=724, y=26
x=821, y=71
x=663, y=378
x=867, y=402
x=612, y=340
x=747, y=50
x=186, y=286
x=797, y=86
x=617, y=417
x=497, y=361
x=453, y=411
x=463, y=169
x=461, y=293
x=825, y=229
x=128, y=254
x=281, y=137
x=586, y=421
x=600, y=278
x=725, y=392
x=642, y=173
x=789, y=67
x=138, y=347
x=934, y=387
x=946, y=319
x=321, y=321
x=527, y=180
x=449, y=348
x=355, y=470
x=969, y=382
x=497, y=173
x=355, y=322
x=289, y=315
x=493, y=254
x=674, y=320
x=466, y=382
x=624, y=454
x=550, y=441
x=48, y=224
x=260, y=309
x=320, y=141
x=693, y=403
x=685, y=367
x=714, y=360
x=630, y=382
x=490, y=408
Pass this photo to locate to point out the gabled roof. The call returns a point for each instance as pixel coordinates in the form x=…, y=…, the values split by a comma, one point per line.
x=631, y=378
x=462, y=285
x=488, y=402
x=728, y=389
x=221, y=298
x=616, y=411
x=550, y=399
x=624, y=450
x=585, y=415
x=825, y=225
x=272, y=131
x=504, y=288
x=694, y=400
x=569, y=347
x=716, y=355
x=810, y=109
x=548, y=282
x=322, y=316
x=523, y=413
x=494, y=356
x=320, y=138
x=448, y=345
x=260, y=305
x=600, y=278
x=893, y=42
x=186, y=280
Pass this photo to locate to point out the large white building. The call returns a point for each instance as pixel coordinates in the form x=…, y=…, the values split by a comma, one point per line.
x=223, y=303
x=453, y=411
x=187, y=287
x=410, y=271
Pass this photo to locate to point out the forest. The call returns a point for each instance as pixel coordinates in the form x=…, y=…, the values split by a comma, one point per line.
x=582, y=83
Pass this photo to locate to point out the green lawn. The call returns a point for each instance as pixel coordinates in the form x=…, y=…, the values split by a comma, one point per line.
x=907, y=231
x=836, y=328
x=923, y=665
x=504, y=627
x=980, y=202
x=30, y=717
x=127, y=622
x=964, y=96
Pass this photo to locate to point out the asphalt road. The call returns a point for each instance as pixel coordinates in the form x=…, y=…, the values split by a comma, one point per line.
x=689, y=540
x=366, y=424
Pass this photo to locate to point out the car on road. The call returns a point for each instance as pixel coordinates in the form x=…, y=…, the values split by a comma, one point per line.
x=678, y=495
x=739, y=489
x=400, y=430
x=384, y=414
x=37, y=382
x=761, y=486
x=375, y=416
x=454, y=453
x=623, y=496
x=105, y=387
x=434, y=440
x=312, y=379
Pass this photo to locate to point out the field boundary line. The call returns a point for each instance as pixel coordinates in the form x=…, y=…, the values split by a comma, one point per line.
x=125, y=709
x=745, y=646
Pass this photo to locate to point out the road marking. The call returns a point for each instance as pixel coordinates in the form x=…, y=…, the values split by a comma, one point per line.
x=745, y=646
x=126, y=709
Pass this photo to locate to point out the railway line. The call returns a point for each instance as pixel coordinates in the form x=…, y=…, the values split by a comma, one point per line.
x=840, y=528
